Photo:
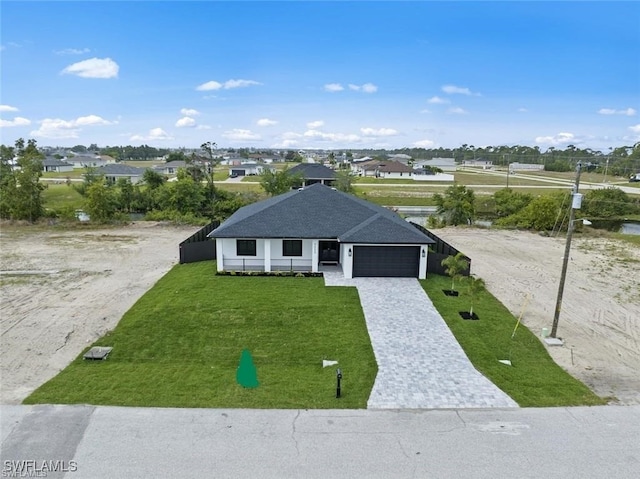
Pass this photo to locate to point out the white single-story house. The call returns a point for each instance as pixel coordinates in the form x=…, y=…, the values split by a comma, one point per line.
x=479, y=163
x=246, y=169
x=170, y=167
x=304, y=229
x=113, y=171
x=56, y=165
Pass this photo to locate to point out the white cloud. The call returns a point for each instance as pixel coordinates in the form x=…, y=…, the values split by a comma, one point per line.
x=203, y=127
x=57, y=128
x=424, y=144
x=452, y=89
x=378, y=132
x=228, y=85
x=313, y=125
x=8, y=108
x=210, y=85
x=425, y=111
x=333, y=87
x=286, y=144
x=189, y=112
x=291, y=135
x=331, y=137
x=91, y=120
x=239, y=84
x=266, y=122
x=562, y=138
x=94, y=68
x=238, y=134
x=366, y=88
x=185, y=122
x=635, y=128
x=436, y=100
x=17, y=121
x=72, y=51
x=154, y=134
x=456, y=110
x=523, y=110
x=612, y=111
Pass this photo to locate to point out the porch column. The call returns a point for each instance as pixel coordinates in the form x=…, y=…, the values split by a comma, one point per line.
x=219, y=255
x=422, y=272
x=315, y=260
x=267, y=255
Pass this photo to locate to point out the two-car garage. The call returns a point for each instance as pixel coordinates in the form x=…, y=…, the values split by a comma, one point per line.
x=386, y=261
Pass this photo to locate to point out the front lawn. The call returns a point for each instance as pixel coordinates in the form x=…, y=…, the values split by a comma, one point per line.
x=180, y=345
x=534, y=379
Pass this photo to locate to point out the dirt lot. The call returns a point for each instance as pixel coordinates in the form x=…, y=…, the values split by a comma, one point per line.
x=63, y=290
x=600, y=315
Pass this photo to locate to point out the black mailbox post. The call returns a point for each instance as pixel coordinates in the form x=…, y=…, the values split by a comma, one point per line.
x=338, y=378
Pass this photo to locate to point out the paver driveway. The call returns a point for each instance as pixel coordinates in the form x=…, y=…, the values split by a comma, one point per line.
x=420, y=363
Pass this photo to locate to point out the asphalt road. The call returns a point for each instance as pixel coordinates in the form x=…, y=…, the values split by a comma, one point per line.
x=111, y=442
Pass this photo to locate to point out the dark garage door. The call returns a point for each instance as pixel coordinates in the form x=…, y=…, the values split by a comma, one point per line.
x=390, y=261
x=237, y=172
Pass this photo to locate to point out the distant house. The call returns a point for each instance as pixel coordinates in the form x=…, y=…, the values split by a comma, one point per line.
x=479, y=163
x=400, y=158
x=444, y=164
x=56, y=165
x=86, y=161
x=307, y=228
x=247, y=169
x=394, y=169
x=114, y=171
x=171, y=167
x=312, y=173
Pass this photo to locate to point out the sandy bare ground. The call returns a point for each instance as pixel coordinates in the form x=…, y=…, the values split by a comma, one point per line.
x=600, y=315
x=64, y=289
x=67, y=289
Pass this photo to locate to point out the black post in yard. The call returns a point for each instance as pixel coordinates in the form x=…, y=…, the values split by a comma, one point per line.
x=338, y=378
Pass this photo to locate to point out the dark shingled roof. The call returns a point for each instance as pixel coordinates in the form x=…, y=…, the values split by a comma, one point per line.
x=321, y=212
x=120, y=169
x=313, y=171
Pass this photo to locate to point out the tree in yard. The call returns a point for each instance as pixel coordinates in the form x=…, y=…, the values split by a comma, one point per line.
x=474, y=287
x=509, y=202
x=344, y=181
x=152, y=178
x=101, y=202
x=454, y=266
x=544, y=213
x=210, y=191
x=457, y=205
x=21, y=190
x=126, y=194
x=278, y=182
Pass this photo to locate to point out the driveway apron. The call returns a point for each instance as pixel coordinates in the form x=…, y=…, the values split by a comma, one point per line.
x=420, y=363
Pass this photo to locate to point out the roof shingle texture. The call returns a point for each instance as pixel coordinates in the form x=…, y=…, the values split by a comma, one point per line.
x=320, y=212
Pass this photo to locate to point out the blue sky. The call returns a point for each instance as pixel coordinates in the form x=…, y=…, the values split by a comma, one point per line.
x=329, y=75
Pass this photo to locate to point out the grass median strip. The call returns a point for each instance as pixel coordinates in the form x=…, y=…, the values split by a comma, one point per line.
x=180, y=346
x=533, y=379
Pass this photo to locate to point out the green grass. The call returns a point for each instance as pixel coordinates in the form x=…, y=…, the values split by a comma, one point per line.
x=75, y=173
x=533, y=380
x=57, y=197
x=180, y=345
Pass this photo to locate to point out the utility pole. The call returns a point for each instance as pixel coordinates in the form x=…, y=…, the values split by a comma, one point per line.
x=605, y=171
x=567, y=250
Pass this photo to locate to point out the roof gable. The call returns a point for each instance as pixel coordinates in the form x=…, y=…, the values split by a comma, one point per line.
x=313, y=171
x=320, y=212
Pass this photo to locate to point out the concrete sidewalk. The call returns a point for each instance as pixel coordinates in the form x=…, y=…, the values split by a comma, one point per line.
x=118, y=442
x=420, y=363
